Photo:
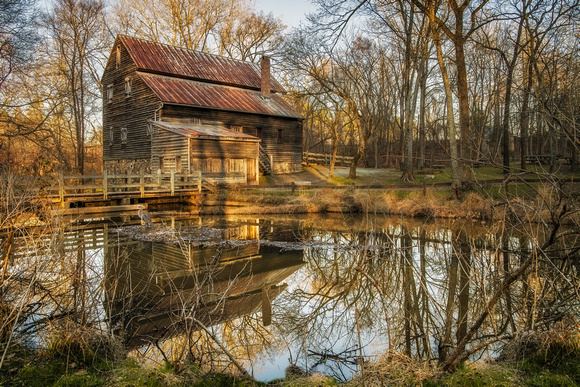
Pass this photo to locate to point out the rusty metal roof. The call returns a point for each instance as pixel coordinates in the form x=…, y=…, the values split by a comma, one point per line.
x=205, y=95
x=208, y=132
x=176, y=61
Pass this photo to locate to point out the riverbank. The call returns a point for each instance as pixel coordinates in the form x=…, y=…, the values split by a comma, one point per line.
x=532, y=201
x=531, y=359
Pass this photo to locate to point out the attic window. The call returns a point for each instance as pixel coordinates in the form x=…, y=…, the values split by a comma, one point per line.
x=123, y=136
x=118, y=57
x=128, y=86
x=110, y=93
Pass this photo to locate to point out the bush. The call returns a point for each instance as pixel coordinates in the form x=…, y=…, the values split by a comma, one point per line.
x=82, y=346
x=395, y=369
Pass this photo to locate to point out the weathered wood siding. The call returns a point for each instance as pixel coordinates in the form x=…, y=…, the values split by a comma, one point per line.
x=169, y=152
x=281, y=137
x=126, y=111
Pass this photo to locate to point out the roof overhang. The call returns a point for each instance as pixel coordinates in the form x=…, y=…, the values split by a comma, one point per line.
x=205, y=132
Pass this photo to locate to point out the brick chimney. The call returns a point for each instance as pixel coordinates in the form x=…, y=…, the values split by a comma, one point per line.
x=265, y=85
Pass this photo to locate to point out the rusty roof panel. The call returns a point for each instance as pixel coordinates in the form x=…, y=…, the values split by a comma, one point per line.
x=205, y=95
x=212, y=132
x=176, y=61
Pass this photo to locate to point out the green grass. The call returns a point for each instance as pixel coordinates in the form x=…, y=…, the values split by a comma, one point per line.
x=391, y=176
x=341, y=180
x=538, y=371
x=488, y=375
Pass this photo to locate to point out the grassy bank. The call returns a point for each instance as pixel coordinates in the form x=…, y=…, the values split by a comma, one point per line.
x=533, y=201
x=531, y=359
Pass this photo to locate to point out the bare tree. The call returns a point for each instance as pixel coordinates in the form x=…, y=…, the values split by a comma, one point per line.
x=17, y=35
x=79, y=37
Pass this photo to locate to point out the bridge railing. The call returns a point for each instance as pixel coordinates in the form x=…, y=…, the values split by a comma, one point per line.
x=142, y=185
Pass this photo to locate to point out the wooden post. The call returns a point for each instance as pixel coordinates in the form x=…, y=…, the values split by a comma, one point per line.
x=142, y=183
x=199, y=181
x=172, y=182
x=189, y=155
x=257, y=166
x=61, y=189
x=266, y=307
x=105, y=185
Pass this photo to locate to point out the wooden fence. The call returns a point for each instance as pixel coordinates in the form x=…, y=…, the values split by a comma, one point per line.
x=324, y=159
x=108, y=186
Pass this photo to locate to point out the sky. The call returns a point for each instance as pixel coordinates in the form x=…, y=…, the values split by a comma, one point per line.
x=292, y=12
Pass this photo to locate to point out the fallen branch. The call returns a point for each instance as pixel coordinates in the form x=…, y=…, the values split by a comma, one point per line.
x=219, y=344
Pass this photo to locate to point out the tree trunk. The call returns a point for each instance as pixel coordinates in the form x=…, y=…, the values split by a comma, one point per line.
x=465, y=152
x=353, y=165
x=506, y=121
x=333, y=152
x=422, y=129
x=451, y=131
x=525, y=116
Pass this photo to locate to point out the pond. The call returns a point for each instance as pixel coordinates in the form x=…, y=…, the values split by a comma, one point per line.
x=324, y=293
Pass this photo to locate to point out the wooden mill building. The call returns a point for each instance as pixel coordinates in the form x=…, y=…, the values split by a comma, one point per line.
x=168, y=108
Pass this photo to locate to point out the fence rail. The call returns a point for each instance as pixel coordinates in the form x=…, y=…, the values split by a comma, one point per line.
x=107, y=186
x=324, y=158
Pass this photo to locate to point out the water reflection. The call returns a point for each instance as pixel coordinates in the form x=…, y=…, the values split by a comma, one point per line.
x=155, y=290
x=326, y=294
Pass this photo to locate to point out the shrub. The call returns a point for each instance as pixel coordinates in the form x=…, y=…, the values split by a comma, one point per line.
x=82, y=346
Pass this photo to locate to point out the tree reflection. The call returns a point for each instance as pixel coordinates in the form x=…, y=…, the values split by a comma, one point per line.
x=332, y=295
x=424, y=287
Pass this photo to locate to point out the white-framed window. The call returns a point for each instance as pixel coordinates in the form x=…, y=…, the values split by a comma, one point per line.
x=118, y=57
x=110, y=93
x=128, y=86
x=149, y=129
x=123, y=136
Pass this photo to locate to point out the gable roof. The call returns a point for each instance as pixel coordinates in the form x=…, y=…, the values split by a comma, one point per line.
x=180, y=62
x=186, y=92
x=205, y=132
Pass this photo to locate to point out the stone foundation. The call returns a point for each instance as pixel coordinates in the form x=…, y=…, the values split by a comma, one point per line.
x=124, y=167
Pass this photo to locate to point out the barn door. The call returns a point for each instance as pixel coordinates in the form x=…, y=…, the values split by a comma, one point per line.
x=251, y=170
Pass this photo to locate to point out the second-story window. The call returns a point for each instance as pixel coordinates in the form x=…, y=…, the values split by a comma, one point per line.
x=123, y=136
x=128, y=86
x=110, y=93
x=111, y=136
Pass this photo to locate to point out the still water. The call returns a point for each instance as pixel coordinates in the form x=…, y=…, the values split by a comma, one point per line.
x=323, y=293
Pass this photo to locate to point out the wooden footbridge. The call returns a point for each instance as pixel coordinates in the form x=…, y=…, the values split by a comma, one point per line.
x=107, y=190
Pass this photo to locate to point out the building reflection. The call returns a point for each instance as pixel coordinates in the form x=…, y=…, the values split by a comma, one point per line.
x=154, y=290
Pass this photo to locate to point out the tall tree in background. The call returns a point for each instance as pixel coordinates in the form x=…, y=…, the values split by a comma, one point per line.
x=430, y=10
x=225, y=27
x=17, y=35
x=79, y=39
x=510, y=59
x=251, y=37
